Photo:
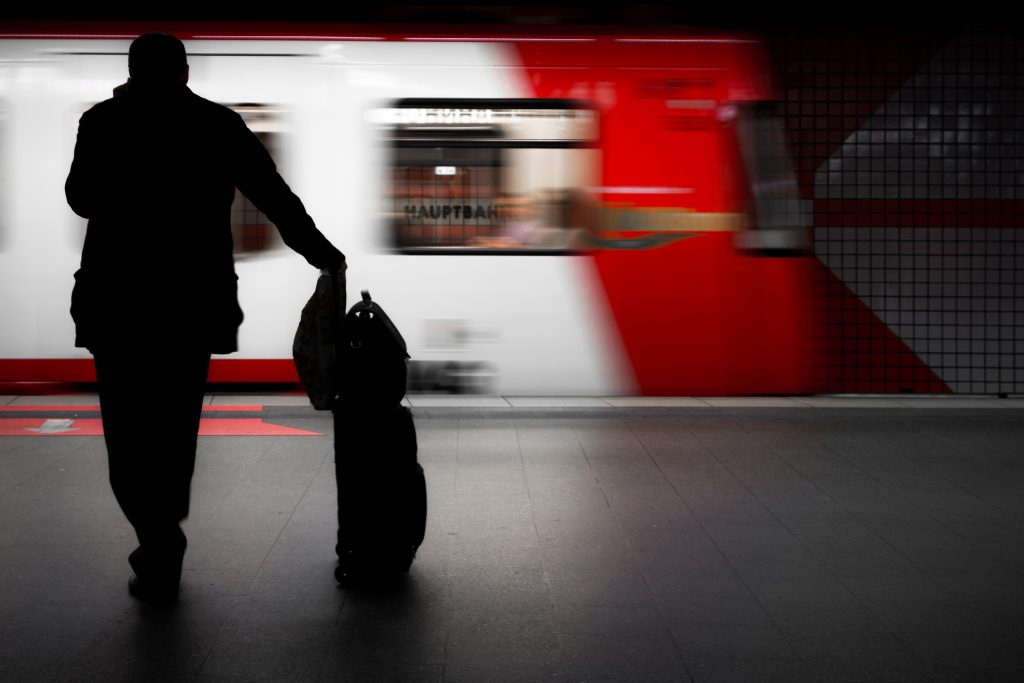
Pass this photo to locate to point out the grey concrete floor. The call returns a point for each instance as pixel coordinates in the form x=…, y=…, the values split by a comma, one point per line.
x=829, y=542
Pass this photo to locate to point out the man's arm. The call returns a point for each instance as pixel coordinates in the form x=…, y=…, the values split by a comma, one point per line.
x=259, y=180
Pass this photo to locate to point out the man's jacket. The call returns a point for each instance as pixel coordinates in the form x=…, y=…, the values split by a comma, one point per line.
x=155, y=172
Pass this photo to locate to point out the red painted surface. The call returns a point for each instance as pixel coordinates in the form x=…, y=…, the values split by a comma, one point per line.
x=232, y=409
x=222, y=370
x=23, y=426
x=207, y=427
x=47, y=370
x=70, y=408
x=247, y=427
x=696, y=317
x=273, y=370
x=859, y=353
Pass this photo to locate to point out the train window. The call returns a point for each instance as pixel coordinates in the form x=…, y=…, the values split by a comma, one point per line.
x=488, y=176
x=781, y=219
x=251, y=231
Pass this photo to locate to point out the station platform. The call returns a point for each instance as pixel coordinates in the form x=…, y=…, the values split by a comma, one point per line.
x=825, y=538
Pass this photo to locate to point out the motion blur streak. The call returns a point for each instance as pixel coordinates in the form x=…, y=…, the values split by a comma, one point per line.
x=540, y=215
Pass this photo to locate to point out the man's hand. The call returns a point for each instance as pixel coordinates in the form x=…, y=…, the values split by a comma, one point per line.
x=338, y=280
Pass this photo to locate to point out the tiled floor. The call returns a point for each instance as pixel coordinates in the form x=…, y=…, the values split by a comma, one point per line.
x=803, y=539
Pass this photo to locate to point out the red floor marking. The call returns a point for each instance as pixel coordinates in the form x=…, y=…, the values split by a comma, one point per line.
x=23, y=426
x=48, y=408
x=232, y=409
x=246, y=426
x=95, y=408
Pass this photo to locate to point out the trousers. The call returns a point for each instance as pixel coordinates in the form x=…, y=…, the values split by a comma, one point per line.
x=150, y=405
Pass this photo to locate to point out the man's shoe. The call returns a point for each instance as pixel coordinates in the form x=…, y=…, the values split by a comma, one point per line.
x=152, y=593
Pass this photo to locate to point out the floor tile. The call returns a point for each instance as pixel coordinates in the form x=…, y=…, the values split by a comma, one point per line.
x=848, y=402
x=622, y=657
x=948, y=402
x=556, y=402
x=752, y=402
x=260, y=400
x=456, y=401
x=654, y=402
x=729, y=670
x=704, y=641
x=772, y=539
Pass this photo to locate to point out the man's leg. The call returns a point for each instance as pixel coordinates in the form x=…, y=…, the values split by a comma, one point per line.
x=150, y=406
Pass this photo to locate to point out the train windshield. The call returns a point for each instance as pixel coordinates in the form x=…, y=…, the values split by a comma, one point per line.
x=780, y=218
x=488, y=176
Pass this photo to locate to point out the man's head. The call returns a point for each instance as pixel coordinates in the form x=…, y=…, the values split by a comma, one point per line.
x=157, y=59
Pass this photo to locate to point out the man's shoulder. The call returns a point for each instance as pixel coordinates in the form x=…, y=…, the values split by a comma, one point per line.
x=213, y=110
x=100, y=109
x=129, y=101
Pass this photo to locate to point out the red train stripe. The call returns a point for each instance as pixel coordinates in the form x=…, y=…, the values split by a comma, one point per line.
x=222, y=371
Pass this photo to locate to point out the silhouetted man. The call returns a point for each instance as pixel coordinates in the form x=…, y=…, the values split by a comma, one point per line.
x=155, y=172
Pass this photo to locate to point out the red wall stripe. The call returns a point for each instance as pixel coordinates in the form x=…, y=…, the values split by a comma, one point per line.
x=938, y=213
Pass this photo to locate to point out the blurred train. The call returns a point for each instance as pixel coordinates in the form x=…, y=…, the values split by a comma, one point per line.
x=540, y=214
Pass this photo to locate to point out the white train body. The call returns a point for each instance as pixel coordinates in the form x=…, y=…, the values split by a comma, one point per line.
x=538, y=327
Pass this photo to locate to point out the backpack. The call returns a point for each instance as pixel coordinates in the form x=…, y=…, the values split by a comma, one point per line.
x=372, y=358
x=314, y=346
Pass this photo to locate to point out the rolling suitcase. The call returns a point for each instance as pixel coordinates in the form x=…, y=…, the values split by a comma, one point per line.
x=382, y=496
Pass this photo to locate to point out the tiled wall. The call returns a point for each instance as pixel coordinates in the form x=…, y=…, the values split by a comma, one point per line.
x=911, y=146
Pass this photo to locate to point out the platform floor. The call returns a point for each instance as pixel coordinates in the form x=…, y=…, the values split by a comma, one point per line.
x=803, y=539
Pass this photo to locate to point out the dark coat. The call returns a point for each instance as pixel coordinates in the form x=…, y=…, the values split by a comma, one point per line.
x=155, y=173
